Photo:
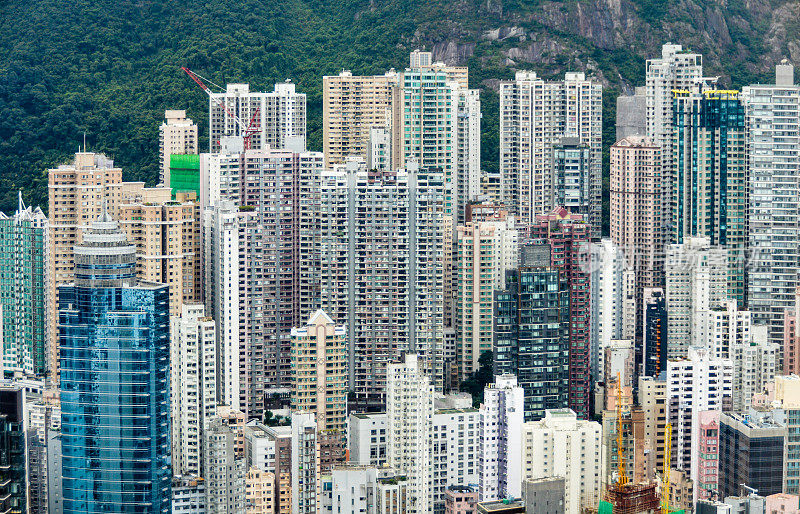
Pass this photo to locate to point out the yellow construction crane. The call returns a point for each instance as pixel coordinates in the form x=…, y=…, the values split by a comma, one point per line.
x=622, y=477
x=667, y=465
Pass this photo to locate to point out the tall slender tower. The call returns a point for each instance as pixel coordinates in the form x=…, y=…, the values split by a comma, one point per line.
x=25, y=282
x=485, y=250
x=675, y=70
x=709, y=154
x=568, y=236
x=409, y=406
x=319, y=382
x=115, y=383
x=436, y=122
x=531, y=331
x=77, y=193
x=773, y=145
x=193, y=386
x=636, y=208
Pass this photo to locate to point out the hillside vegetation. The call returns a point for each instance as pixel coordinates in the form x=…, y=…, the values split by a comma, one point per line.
x=110, y=68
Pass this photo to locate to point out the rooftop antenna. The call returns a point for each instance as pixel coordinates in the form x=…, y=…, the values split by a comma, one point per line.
x=84, y=141
x=21, y=205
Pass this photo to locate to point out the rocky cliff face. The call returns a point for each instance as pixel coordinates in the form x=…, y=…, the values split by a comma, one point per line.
x=741, y=40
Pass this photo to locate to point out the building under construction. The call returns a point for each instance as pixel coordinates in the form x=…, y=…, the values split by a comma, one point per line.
x=631, y=499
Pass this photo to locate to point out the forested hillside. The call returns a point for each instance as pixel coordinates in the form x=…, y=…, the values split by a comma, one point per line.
x=110, y=68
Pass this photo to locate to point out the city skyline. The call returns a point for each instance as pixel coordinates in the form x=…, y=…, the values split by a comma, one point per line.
x=385, y=326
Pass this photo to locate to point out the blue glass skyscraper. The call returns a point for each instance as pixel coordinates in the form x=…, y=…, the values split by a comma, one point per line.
x=114, y=339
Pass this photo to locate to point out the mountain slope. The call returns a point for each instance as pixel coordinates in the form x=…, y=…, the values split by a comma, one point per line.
x=110, y=68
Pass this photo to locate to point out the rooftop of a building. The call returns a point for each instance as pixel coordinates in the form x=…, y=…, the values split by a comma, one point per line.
x=508, y=505
x=543, y=480
x=318, y=318
x=367, y=415
x=761, y=425
x=636, y=142
x=455, y=411
x=88, y=160
x=186, y=481
x=462, y=488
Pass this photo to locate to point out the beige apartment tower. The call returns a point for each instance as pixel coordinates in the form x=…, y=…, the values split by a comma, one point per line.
x=77, y=194
x=637, y=226
x=166, y=233
x=176, y=136
x=319, y=382
x=486, y=250
x=636, y=223
x=352, y=106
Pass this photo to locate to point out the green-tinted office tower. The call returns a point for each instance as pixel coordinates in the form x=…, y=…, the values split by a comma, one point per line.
x=710, y=170
x=531, y=328
x=22, y=291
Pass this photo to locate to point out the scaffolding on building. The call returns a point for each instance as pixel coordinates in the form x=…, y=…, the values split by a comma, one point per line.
x=634, y=498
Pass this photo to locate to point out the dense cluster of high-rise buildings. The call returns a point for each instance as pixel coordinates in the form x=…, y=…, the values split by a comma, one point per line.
x=272, y=330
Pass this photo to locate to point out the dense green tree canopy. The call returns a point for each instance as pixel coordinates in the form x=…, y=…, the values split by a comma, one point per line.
x=110, y=68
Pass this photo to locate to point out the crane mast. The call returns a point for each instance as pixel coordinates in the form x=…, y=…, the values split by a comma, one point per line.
x=248, y=130
x=622, y=477
x=665, y=472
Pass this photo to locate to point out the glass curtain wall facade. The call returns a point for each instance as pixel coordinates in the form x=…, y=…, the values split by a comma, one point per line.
x=532, y=337
x=114, y=337
x=711, y=187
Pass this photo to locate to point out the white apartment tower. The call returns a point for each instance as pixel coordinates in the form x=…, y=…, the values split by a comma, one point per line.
x=305, y=464
x=697, y=280
x=535, y=116
x=193, y=390
x=700, y=382
x=454, y=450
x=613, y=300
x=221, y=173
x=224, y=468
x=561, y=445
x=734, y=336
x=467, y=148
x=500, y=440
x=273, y=120
x=382, y=250
x=773, y=121
x=176, y=136
x=675, y=70
x=379, y=149
x=409, y=406
x=366, y=438
x=221, y=232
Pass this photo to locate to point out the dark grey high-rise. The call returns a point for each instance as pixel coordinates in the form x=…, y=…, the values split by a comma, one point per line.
x=532, y=332
x=750, y=453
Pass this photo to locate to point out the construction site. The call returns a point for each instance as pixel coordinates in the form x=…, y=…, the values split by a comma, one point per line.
x=631, y=499
x=623, y=497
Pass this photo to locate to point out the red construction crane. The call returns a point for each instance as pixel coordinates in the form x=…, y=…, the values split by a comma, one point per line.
x=248, y=130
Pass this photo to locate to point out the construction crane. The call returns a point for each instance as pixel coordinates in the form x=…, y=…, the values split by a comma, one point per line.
x=622, y=477
x=247, y=130
x=667, y=465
